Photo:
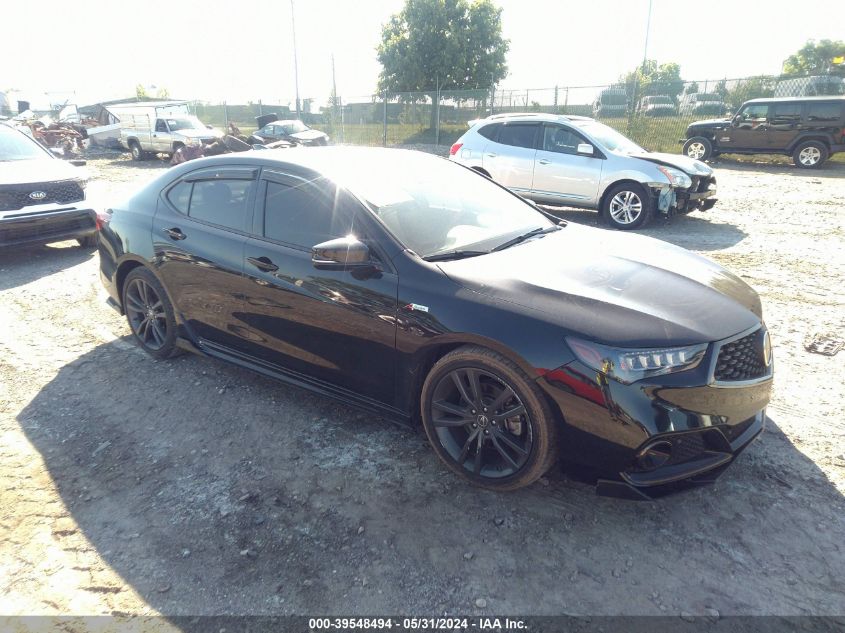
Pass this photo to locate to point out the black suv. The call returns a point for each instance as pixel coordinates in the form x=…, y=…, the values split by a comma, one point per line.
x=810, y=129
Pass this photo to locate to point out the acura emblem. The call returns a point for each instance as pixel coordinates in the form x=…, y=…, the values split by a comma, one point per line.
x=38, y=195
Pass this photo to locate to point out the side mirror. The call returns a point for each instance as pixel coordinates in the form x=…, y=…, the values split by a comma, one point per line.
x=78, y=162
x=57, y=151
x=340, y=254
x=209, y=127
x=585, y=149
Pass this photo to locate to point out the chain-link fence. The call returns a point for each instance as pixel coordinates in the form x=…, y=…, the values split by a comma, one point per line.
x=653, y=114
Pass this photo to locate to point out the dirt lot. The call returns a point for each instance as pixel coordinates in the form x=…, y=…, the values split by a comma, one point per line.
x=193, y=487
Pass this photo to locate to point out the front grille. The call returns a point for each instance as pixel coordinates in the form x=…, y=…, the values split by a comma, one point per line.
x=14, y=197
x=742, y=359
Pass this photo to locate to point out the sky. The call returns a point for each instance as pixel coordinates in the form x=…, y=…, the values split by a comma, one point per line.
x=243, y=51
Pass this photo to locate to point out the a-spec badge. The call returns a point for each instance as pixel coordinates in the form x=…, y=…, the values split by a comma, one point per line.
x=416, y=306
x=38, y=195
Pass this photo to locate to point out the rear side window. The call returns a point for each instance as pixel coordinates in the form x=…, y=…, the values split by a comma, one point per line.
x=303, y=215
x=224, y=202
x=489, y=131
x=180, y=196
x=786, y=113
x=824, y=111
x=518, y=134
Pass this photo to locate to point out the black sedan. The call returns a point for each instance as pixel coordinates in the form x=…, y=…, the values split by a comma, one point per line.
x=425, y=293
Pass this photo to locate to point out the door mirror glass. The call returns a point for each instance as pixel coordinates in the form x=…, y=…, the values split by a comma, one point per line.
x=585, y=149
x=341, y=253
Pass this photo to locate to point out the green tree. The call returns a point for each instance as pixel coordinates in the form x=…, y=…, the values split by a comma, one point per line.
x=436, y=45
x=816, y=58
x=692, y=88
x=751, y=88
x=652, y=78
x=141, y=92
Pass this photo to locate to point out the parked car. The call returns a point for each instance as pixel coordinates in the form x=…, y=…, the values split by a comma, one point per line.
x=42, y=198
x=578, y=161
x=291, y=130
x=146, y=130
x=419, y=290
x=702, y=103
x=810, y=129
x=815, y=86
x=611, y=102
x=657, y=106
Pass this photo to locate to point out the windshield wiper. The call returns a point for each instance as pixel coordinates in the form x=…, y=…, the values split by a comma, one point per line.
x=442, y=257
x=521, y=238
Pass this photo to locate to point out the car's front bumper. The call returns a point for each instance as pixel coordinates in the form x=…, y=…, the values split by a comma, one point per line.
x=701, y=423
x=18, y=228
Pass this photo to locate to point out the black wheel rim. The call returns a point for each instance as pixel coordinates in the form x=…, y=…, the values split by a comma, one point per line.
x=145, y=311
x=481, y=423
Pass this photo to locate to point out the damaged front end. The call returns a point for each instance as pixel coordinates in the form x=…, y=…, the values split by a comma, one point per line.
x=680, y=197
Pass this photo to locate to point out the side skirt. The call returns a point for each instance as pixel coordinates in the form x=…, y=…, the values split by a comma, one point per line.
x=215, y=350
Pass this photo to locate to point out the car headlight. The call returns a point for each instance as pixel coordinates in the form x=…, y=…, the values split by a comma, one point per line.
x=630, y=365
x=676, y=177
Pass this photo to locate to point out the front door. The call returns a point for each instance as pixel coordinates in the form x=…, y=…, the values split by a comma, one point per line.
x=560, y=173
x=749, y=129
x=509, y=158
x=336, y=326
x=161, y=137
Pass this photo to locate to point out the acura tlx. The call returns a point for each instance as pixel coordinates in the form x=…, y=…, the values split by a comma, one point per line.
x=424, y=292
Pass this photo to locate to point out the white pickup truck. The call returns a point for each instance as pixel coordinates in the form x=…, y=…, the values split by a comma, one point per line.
x=162, y=128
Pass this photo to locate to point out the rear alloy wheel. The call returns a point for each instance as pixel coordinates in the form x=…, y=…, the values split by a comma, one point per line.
x=810, y=154
x=699, y=148
x=150, y=314
x=487, y=421
x=627, y=206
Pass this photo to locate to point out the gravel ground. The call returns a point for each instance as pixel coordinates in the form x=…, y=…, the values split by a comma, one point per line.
x=191, y=487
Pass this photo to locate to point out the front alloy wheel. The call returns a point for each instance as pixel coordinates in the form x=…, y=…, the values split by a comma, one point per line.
x=485, y=420
x=627, y=206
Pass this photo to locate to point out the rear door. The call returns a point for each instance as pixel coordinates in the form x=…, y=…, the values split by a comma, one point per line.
x=199, y=233
x=560, y=174
x=509, y=159
x=785, y=123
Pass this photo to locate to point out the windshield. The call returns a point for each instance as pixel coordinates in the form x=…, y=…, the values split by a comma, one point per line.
x=434, y=206
x=294, y=126
x=608, y=137
x=614, y=98
x=185, y=123
x=15, y=145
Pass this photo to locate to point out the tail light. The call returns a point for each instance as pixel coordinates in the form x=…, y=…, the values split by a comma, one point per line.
x=103, y=218
x=454, y=149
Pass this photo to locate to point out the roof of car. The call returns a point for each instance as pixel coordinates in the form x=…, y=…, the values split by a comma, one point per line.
x=542, y=116
x=778, y=99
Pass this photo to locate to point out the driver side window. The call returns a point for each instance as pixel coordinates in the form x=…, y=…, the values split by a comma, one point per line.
x=561, y=140
x=161, y=126
x=756, y=112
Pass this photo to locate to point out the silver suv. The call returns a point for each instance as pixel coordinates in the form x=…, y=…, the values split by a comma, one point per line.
x=577, y=161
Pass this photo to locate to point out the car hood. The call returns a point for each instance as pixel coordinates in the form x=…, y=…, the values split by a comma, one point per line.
x=710, y=122
x=45, y=169
x=615, y=288
x=679, y=161
x=308, y=135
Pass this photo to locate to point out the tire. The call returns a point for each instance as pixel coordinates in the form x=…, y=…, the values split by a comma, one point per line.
x=89, y=241
x=627, y=206
x=137, y=152
x=699, y=148
x=497, y=453
x=144, y=296
x=810, y=154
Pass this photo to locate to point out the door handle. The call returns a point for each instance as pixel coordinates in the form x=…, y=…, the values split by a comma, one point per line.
x=175, y=233
x=544, y=161
x=491, y=155
x=262, y=263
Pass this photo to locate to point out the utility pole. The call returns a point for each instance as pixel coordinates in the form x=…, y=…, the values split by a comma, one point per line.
x=334, y=94
x=295, y=62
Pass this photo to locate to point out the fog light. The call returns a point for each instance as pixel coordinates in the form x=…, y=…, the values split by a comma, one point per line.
x=654, y=455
